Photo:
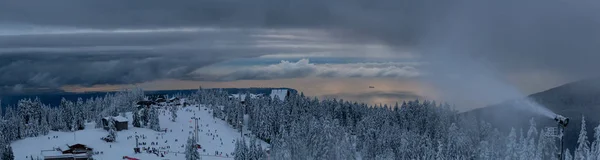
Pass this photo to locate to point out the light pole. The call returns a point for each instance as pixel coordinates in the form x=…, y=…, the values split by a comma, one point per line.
x=136, y=141
x=241, y=129
x=196, y=128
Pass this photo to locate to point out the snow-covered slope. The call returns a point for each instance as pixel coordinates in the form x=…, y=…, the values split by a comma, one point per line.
x=279, y=93
x=215, y=136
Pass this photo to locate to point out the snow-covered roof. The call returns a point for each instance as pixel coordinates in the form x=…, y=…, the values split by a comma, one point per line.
x=118, y=118
x=281, y=93
x=58, y=154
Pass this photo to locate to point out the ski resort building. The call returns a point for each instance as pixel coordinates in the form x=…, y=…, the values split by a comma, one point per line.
x=75, y=152
x=121, y=123
x=57, y=155
x=146, y=104
x=173, y=100
x=282, y=94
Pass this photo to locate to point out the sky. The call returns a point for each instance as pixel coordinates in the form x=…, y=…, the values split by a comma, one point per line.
x=470, y=53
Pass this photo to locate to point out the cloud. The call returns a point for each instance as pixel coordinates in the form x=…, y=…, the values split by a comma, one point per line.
x=303, y=68
x=471, y=44
x=564, y=32
x=62, y=56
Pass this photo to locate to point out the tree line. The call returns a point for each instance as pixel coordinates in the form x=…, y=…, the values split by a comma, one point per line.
x=304, y=127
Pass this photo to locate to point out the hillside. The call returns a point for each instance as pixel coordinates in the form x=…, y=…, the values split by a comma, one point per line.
x=571, y=100
x=215, y=136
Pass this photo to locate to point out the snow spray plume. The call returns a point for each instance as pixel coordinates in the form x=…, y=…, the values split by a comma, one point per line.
x=475, y=46
x=534, y=107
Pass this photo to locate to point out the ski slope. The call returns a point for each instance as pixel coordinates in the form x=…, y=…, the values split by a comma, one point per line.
x=215, y=135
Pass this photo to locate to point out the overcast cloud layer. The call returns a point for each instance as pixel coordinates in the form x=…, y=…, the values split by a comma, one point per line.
x=469, y=43
x=52, y=57
x=303, y=68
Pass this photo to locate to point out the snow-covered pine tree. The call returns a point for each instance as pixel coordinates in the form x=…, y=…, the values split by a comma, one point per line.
x=7, y=154
x=2, y=139
x=112, y=130
x=568, y=155
x=145, y=116
x=154, y=121
x=191, y=151
x=583, y=147
x=595, y=152
x=512, y=145
x=44, y=126
x=66, y=108
x=173, y=110
x=280, y=148
x=252, y=150
x=529, y=146
x=79, y=116
x=136, y=118
x=98, y=120
x=260, y=153
x=241, y=150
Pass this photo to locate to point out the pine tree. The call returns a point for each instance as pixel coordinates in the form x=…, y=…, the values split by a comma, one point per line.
x=253, y=151
x=191, y=151
x=595, y=152
x=145, y=116
x=568, y=155
x=68, y=115
x=45, y=127
x=173, y=110
x=2, y=139
x=136, y=118
x=583, y=148
x=98, y=120
x=260, y=154
x=112, y=130
x=154, y=121
x=1, y=113
x=79, y=116
x=241, y=150
x=511, y=146
x=529, y=144
x=7, y=154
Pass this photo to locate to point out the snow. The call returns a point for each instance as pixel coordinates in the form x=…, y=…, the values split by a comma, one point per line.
x=222, y=139
x=281, y=93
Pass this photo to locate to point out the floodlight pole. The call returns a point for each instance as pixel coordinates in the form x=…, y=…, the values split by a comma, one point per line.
x=562, y=135
x=196, y=129
x=197, y=138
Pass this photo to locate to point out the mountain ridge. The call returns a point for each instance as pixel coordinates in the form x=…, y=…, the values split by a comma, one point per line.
x=574, y=100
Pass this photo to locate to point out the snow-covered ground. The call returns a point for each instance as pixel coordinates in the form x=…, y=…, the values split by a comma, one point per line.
x=215, y=136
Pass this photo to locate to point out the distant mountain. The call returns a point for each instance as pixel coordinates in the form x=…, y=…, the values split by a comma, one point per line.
x=53, y=98
x=573, y=100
